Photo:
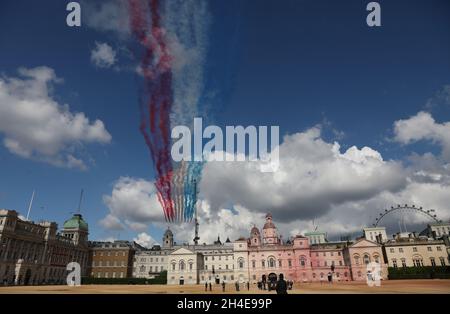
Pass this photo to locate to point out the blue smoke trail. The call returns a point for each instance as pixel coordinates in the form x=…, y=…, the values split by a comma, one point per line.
x=193, y=177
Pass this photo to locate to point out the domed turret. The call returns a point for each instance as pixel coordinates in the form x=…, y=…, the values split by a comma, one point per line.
x=76, y=222
x=76, y=229
x=255, y=237
x=269, y=224
x=270, y=235
x=168, y=238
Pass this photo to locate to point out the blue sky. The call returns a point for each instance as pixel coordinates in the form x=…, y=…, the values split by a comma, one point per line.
x=295, y=64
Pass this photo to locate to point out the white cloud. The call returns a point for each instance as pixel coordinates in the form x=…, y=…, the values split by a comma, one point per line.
x=145, y=240
x=36, y=126
x=103, y=55
x=313, y=176
x=422, y=126
x=133, y=200
x=107, y=16
x=111, y=222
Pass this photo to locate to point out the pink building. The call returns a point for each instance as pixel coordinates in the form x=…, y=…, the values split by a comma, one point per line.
x=266, y=256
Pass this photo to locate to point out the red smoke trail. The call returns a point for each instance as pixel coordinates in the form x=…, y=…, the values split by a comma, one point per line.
x=157, y=103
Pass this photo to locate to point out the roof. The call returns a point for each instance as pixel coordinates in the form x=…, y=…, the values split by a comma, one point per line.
x=76, y=222
x=268, y=225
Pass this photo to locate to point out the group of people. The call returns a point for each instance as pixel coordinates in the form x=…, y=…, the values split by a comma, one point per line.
x=281, y=286
x=223, y=284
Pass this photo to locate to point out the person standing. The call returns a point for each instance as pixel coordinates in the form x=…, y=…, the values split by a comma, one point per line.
x=281, y=285
x=223, y=286
x=248, y=285
x=206, y=286
x=210, y=286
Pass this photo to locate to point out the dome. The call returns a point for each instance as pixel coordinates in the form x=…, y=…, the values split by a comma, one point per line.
x=168, y=233
x=254, y=231
x=269, y=225
x=76, y=222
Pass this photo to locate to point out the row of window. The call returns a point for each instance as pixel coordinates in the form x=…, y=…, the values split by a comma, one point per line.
x=157, y=260
x=143, y=269
x=106, y=274
x=108, y=263
x=418, y=262
x=429, y=249
x=218, y=257
x=366, y=259
x=109, y=253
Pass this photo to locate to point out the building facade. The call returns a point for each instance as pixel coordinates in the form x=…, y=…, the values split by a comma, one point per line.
x=112, y=259
x=184, y=267
x=35, y=253
x=409, y=250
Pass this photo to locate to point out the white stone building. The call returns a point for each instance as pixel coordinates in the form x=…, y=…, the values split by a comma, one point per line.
x=184, y=267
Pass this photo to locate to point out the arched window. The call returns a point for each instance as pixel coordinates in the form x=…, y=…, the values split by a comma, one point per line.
x=142, y=269
x=366, y=259
x=376, y=258
x=302, y=261
x=271, y=262
x=241, y=263
x=356, y=258
x=417, y=261
x=182, y=265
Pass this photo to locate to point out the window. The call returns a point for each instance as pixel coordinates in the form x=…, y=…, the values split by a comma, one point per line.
x=433, y=261
x=280, y=263
x=340, y=263
x=394, y=263
x=439, y=248
x=400, y=250
x=392, y=250
x=241, y=263
x=356, y=257
x=206, y=258
x=253, y=264
x=417, y=261
x=302, y=262
x=142, y=269
x=290, y=263
x=429, y=249
x=442, y=260
x=403, y=263
x=182, y=266
x=173, y=266
x=263, y=263
x=414, y=249
x=271, y=262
